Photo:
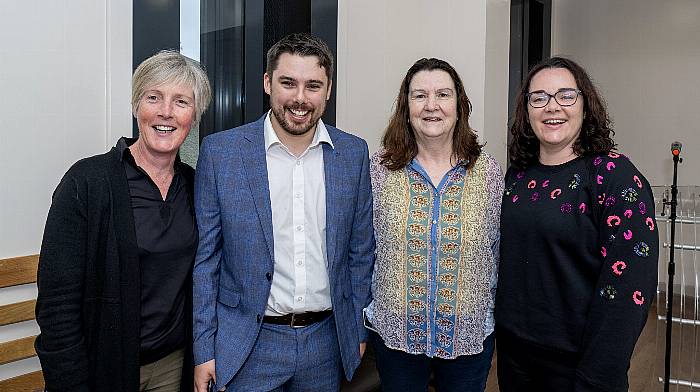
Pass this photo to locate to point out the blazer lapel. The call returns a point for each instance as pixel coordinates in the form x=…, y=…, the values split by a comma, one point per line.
x=330, y=170
x=255, y=164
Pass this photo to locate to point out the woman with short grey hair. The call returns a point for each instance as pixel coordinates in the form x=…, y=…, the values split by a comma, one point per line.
x=114, y=303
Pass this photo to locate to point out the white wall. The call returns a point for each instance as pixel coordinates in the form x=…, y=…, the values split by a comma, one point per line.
x=645, y=57
x=65, y=74
x=379, y=40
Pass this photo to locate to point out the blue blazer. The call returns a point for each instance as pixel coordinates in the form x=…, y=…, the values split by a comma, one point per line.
x=234, y=263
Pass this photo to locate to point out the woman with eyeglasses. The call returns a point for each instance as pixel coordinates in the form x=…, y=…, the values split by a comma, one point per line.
x=579, y=246
x=437, y=198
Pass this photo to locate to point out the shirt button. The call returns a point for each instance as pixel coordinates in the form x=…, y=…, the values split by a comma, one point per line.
x=434, y=222
x=298, y=195
x=299, y=162
x=300, y=228
x=300, y=262
x=268, y=276
x=300, y=298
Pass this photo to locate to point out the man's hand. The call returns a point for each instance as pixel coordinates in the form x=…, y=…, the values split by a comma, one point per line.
x=202, y=374
x=363, y=346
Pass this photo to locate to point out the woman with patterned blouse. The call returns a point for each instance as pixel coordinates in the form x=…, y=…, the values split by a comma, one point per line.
x=579, y=245
x=436, y=218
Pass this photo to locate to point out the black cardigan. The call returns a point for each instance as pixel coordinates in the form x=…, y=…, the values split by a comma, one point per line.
x=88, y=306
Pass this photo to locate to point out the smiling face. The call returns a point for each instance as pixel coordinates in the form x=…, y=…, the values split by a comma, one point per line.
x=432, y=101
x=165, y=115
x=556, y=127
x=298, y=90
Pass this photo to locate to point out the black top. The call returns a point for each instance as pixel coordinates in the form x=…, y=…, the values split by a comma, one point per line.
x=578, y=270
x=166, y=235
x=89, y=283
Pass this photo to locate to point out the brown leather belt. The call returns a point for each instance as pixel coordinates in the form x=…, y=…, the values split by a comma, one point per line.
x=299, y=319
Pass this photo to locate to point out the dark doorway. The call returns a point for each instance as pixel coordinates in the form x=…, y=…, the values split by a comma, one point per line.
x=530, y=42
x=155, y=27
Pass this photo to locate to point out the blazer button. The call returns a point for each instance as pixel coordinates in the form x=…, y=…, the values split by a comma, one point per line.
x=258, y=318
x=268, y=276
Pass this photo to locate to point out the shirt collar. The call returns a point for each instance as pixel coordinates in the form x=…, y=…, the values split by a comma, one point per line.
x=320, y=136
x=458, y=168
x=123, y=145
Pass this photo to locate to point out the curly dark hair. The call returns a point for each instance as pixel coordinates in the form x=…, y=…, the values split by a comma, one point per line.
x=399, y=140
x=596, y=130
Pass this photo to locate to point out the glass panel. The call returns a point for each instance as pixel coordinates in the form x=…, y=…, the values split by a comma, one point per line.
x=222, y=49
x=189, y=46
x=211, y=32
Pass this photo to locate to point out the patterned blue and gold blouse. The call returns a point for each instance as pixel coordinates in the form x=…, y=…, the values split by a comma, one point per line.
x=437, y=254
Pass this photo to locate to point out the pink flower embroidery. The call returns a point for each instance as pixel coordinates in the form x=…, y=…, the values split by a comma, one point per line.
x=610, y=166
x=618, y=266
x=597, y=161
x=638, y=182
x=628, y=214
x=637, y=298
x=613, y=154
x=545, y=183
x=555, y=193
x=628, y=235
x=650, y=223
x=599, y=179
x=582, y=208
x=531, y=184
x=603, y=251
x=613, y=220
x=515, y=198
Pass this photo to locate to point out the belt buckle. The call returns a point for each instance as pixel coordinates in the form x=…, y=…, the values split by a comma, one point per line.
x=291, y=323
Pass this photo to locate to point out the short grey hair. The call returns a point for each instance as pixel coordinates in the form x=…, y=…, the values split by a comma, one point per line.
x=169, y=66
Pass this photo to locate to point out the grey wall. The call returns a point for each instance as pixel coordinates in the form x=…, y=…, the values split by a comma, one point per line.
x=645, y=57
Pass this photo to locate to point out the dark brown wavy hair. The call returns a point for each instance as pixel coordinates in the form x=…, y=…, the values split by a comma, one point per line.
x=596, y=129
x=399, y=140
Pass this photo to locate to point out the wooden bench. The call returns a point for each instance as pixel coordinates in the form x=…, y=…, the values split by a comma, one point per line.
x=13, y=272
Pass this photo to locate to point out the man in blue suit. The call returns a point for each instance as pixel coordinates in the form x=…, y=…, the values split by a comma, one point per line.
x=286, y=246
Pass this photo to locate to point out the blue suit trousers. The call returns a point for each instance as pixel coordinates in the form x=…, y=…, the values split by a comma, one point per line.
x=286, y=359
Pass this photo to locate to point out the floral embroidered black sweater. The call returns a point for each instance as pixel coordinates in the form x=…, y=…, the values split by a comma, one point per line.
x=578, y=270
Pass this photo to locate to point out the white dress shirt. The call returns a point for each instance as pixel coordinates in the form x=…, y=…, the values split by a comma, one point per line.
x=298, y=197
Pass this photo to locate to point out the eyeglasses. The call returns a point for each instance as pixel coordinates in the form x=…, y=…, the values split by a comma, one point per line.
x=564, y=97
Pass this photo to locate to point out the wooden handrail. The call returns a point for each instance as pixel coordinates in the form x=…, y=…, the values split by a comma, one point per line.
x=16, y=350
x=17, y=312
x=18, y=270
x=30, y=382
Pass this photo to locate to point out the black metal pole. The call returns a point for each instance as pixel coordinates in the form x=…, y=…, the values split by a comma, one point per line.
x=671, y=270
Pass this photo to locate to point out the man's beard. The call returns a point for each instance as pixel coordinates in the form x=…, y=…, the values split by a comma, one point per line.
x=295, y=129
